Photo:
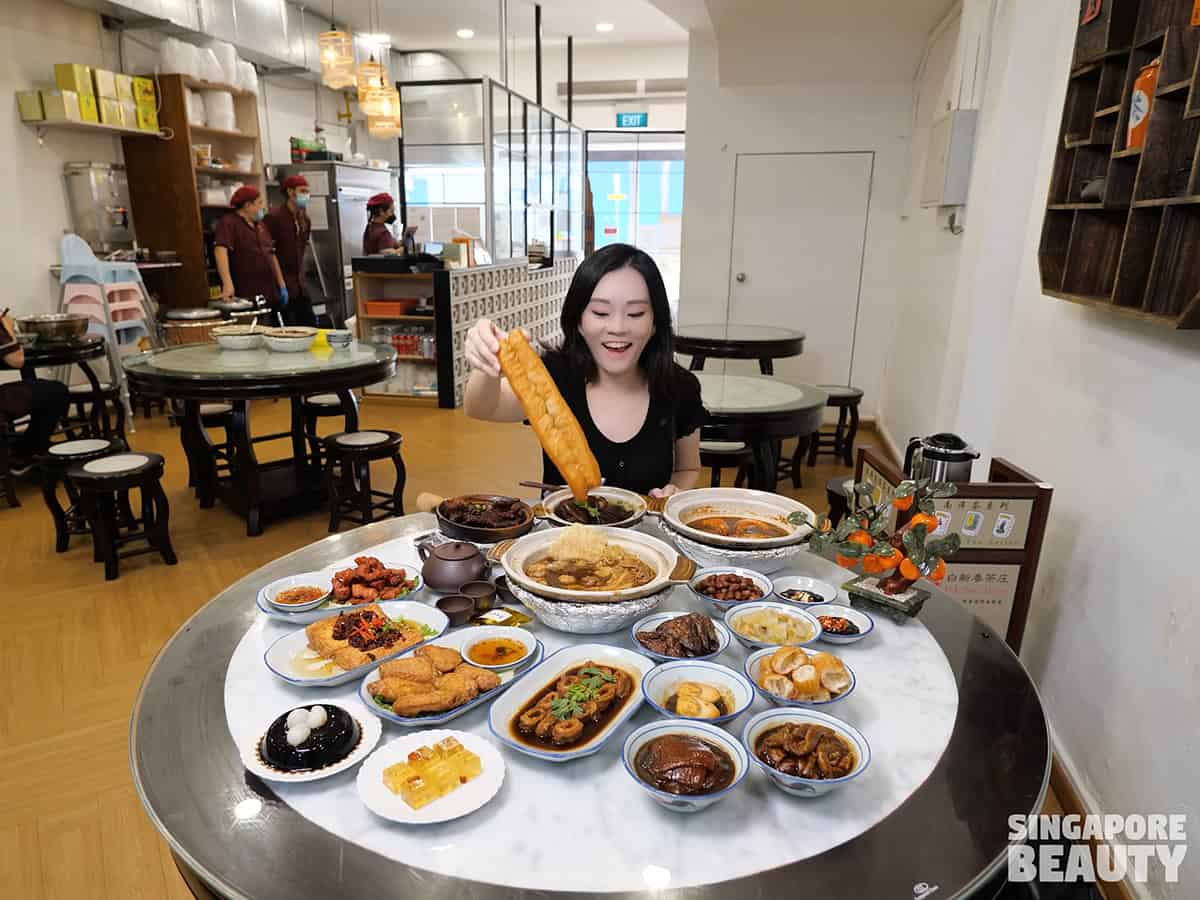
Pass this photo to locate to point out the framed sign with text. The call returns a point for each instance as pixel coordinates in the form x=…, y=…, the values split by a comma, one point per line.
x=1002, y=523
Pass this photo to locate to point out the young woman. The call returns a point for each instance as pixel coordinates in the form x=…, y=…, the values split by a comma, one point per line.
x=640, y=411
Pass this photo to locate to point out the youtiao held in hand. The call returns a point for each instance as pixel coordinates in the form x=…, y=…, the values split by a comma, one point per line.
x=553, y=422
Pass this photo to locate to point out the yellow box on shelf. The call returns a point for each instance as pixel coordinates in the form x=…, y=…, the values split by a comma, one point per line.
x=30, y=105
x=147, y=118
x=106, y=83
x=124, y=85
x=89, y=110
x=143, y=92
x=73, y=77
x=129, y=116
x=110, y=110
x=61, y=106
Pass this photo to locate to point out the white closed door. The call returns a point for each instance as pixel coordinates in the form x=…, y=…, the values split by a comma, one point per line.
x=799, y=229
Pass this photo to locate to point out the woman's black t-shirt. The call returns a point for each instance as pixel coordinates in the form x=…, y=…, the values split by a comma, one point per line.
x=647, y=460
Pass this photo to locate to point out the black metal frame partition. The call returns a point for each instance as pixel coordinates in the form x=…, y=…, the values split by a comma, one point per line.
x=575, y=138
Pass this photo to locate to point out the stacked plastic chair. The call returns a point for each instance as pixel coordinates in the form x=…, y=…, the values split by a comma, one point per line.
x=114, y=297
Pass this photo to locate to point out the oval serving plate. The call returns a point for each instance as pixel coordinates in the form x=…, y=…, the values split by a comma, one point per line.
x=665, y=560
x=371, y=732
x=330, y=606
x=534, y=680
x=281, y=655
x=634, y=502
x=378, y=797
x=456, y=641
x=686, y=506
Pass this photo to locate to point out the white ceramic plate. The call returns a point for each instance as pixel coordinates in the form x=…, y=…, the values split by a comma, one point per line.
x=823, y=589
x=371, y=732
x=501, y=714
x=281, y=656
x=328, y=608
x=456, y=641
x=660, y=556
x=652, y=621
x=683, y=507
x=467, y=798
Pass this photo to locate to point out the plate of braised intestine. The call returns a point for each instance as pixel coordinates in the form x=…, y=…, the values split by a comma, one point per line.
x=311, y=742
x=799, y=676
x=571, y=703
x=308, y=597
x=436, y=683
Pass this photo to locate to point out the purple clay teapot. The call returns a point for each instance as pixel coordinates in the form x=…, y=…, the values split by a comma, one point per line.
x=452, y=564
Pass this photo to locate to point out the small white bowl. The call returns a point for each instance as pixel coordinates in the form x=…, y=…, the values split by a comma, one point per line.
x=711, y=733
x=659, y=684
x=339, y=339
x=490, y=632
x=652, y=621
x=289, y=344
x=787, y=609
x=756, y=659
x=246, y=341
x=794, y=784
x=723, y=606
x=315, y=579
x=827, y=592
x=864, y=622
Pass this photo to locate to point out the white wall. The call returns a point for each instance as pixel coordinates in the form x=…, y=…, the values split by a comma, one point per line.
x=34, y=35
x=1101, y=408
x=723, y=122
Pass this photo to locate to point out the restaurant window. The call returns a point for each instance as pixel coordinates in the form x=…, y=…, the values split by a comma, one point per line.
x=636, y=184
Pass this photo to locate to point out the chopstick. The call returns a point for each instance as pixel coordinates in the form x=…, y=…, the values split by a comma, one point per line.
x=541, y=485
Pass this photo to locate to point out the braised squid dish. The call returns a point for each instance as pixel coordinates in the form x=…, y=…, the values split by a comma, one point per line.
x=574, y=707
x=582, y=560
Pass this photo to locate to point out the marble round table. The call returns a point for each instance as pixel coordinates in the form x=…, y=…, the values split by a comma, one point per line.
x=761, y=412
x=731, y=341
x=194, y=373
x=936, y=814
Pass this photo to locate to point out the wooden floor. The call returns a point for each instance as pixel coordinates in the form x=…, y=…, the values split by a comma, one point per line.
x=73, y=648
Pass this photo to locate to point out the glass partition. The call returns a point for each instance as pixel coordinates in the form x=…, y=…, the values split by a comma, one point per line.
x=501, y=176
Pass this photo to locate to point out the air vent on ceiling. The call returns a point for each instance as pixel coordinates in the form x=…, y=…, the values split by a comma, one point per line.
x=594, y=88
x=666, y=85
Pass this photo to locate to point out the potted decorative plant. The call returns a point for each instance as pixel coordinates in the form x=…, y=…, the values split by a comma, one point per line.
x=862, y=537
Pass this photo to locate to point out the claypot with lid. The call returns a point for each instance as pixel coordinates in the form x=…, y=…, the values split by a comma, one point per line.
x=449, y=565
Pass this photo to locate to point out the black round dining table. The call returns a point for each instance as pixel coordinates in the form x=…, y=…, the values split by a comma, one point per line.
x=80, y=352
x=766, y=343
x=234, y=835
x=195, y=373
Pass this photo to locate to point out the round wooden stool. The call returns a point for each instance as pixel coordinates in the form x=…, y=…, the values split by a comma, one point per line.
x=101, y=482
x=98, y=414
x=840, y=441
x=53, y=465
x=718, y=455
x=320, y=406
x=348, y=475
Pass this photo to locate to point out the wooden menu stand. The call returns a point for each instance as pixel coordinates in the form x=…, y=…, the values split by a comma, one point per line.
x=1002, y=523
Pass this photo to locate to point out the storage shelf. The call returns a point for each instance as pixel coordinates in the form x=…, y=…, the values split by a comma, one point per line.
x=1168, y=89
x=1166, y=201
x=198, y=84
x=94, y=127
x=428, y=319
x=1113, y=110
x=1069, y=206
x=1072, y=143
x=1106, y=304
x=230, y=173
x=1129, y=153
x=220, y=132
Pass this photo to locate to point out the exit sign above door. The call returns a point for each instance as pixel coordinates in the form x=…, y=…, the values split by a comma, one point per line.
x=633, y=120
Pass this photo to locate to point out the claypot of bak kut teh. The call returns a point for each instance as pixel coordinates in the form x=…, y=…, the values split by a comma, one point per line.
x=449, y=565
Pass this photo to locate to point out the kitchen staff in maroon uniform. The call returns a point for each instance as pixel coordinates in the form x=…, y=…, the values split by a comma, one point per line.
x=245, y=252
x=290, y=227
x=377, y=238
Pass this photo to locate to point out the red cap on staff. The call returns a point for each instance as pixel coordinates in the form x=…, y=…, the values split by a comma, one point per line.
x=384, y=199
x=243, y=195
x=294, y=181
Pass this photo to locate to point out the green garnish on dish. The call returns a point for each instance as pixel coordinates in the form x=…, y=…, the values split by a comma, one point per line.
x=570, y=702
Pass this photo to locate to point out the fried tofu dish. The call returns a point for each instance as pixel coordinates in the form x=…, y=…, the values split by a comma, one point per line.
x=364, y=635
x=432, y=680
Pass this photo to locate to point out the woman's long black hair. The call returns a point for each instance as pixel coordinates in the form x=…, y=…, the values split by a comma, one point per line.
x=658, y=357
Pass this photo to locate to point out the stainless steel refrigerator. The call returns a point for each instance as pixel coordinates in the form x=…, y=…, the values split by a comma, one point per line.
x=338, y=210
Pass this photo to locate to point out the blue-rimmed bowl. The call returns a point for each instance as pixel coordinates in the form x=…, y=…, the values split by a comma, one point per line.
x=756, y=659
x=649, y=623
x=864, y=622
x=823, y=589
x=723, y=606
x=683, y=802
x=787, y=609
x=305, y=579
x=659, y=685
x=794, y=784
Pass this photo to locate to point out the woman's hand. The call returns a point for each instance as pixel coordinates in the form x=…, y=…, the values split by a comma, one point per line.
x=482, y=346
x=665, y=491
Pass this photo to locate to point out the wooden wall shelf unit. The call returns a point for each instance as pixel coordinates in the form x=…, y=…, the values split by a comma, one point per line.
x=1135, y=251
x=164, y=188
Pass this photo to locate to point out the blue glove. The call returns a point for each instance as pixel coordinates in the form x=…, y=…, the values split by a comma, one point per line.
x=283, y=297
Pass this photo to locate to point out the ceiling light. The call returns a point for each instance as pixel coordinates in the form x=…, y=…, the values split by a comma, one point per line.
x=375, y=40
x=604, y=26
x=465, y=33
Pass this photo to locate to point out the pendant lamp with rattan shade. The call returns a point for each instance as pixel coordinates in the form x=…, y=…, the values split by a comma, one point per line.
x=385, y=121
x=337, y=59
x=372, y=78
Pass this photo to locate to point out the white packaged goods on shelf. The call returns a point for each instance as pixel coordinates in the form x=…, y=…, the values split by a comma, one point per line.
x=179, y=57
x=218, y=107
x=209, y=65
x=195, y=108
x=247, y=77
x=228, y=59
